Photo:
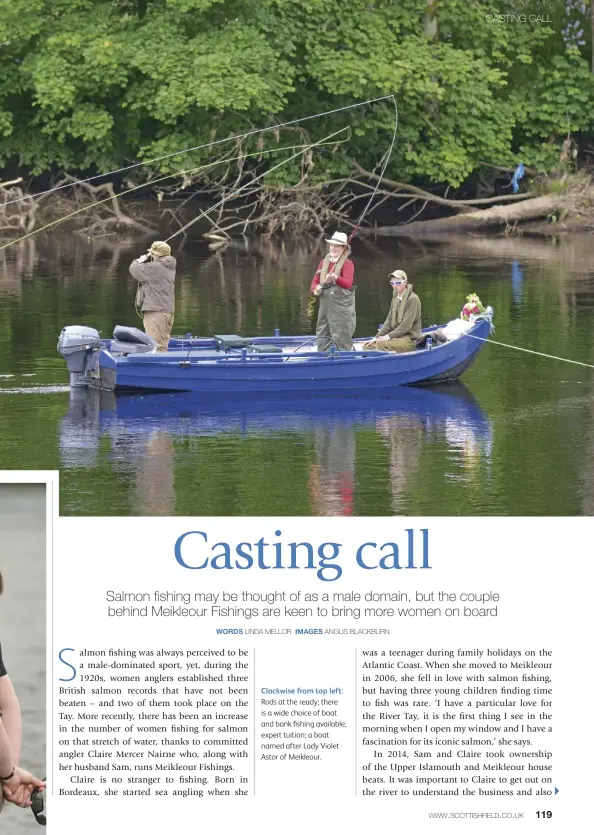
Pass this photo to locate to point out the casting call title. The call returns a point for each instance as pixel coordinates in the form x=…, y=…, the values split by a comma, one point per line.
x=193, y=550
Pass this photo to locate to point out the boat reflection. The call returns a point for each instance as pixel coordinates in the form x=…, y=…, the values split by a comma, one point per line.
x=141, y=435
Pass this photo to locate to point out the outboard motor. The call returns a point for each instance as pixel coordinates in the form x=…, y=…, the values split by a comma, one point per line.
x=76, y=344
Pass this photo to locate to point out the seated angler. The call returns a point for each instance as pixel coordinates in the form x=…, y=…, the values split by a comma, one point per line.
x=402, y=328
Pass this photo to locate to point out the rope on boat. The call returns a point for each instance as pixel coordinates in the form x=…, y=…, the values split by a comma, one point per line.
x=528, y=351
x=207, y=145
x=382, y=172
x=204, y=167
x=303, y=149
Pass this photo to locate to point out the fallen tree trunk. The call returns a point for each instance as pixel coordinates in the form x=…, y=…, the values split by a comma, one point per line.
x=407, y=191
x=509, y=215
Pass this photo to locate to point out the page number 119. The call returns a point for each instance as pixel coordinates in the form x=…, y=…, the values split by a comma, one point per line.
x=544, y=814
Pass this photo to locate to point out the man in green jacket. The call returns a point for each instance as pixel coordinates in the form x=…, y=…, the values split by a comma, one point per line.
x=155, y=273
x=402, y=328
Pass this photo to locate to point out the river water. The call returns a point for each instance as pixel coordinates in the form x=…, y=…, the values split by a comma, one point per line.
x=516, y=438
x=22, y=627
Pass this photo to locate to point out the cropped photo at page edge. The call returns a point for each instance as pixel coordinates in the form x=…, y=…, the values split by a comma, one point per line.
x=26, y=513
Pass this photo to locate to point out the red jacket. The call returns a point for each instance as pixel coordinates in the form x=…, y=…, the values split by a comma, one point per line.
x=345, y=279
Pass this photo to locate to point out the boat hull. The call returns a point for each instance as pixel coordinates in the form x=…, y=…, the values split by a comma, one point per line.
x=241, y=373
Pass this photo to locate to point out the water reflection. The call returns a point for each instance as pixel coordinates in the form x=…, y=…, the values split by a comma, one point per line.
x=80, y=430
x=517, y=280
x=154, y=481
x=144, y=435
x=403, y=435
x=332, y=475
x=16, y=266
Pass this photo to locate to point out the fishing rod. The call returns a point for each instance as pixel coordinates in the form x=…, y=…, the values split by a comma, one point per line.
x=208, y=145
x=369, y=202
x=167, y=177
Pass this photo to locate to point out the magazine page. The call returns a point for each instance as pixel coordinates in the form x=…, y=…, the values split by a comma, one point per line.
x=296, y=415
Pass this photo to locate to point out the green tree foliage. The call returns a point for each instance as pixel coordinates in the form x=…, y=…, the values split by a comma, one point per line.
x=95, y=84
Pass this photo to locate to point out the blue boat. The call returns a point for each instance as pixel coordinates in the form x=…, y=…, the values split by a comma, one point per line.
x=230, y=365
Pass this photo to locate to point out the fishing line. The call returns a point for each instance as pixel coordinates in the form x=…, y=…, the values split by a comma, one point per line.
x=207, y=145
x=159, y=180
x=249, y=184
x=383, y=171
x=528, y=351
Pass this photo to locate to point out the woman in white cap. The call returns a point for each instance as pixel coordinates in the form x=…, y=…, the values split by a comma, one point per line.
x=155, y=273
x=402, y=329
x=333, y=283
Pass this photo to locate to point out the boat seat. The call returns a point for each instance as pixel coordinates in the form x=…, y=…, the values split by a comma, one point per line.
x=133, y=336
x=117, y=346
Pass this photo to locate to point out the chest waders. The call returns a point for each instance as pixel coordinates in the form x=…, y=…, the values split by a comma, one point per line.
x=337, y=319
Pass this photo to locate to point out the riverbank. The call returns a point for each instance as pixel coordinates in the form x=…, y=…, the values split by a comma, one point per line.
x=548, y=208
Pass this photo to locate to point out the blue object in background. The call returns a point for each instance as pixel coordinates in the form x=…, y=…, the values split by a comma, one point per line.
x=517, y=281
x=518, y=174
